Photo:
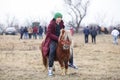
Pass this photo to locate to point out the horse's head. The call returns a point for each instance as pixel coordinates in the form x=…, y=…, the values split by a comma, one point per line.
x=64, y=39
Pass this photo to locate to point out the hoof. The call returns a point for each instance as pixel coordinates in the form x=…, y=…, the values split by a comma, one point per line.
x=45, y=70
x=63, y=74
x=53, y=69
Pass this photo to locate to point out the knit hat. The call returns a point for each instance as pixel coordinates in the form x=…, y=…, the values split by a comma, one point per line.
x=58, y=15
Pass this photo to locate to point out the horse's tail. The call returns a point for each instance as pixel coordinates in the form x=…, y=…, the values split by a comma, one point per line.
x=43, y=57
x=45, y=62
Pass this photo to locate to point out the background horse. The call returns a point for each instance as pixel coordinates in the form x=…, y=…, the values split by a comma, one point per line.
x=62, y=51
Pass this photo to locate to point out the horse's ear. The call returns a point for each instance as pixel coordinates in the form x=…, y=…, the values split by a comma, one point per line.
x=62, y=31
x=61, y=34
x=60, y=37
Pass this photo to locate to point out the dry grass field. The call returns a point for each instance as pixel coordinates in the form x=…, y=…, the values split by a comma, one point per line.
x=21, y=60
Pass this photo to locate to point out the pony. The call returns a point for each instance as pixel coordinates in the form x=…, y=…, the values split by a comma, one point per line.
x=62, y=52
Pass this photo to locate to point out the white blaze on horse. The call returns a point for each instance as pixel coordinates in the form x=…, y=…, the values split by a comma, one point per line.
x=62, y=51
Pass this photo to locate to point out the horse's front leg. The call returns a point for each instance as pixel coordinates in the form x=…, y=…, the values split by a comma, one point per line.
x=62, y=67
x=66, y=67
x=53, y=67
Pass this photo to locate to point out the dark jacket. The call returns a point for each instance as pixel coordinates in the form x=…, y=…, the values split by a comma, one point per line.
x=93, y=32
x=21, y=30
x=25, y=30
x=40, y=30
x=86, y=31
x=51, y=35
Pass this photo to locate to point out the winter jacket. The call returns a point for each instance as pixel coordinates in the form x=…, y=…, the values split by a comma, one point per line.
x=51, y=35
x=93, y=32
x=35, y=29
x=115, y=32
x=40, y=30
x=86, y=31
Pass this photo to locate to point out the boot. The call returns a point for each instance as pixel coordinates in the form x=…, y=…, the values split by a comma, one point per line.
x=50, y=71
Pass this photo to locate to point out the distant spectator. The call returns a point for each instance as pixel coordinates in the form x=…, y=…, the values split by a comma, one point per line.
x=86, y=34
x=72, y=31
x=30, y=32
x=93, y=34
x=119, y=31
x=25, y=33
x=35, y=31
x=40, y=32
x=105, y=31
x=21, y=32
x=99, y=29
x=45, y=29
x=115, y=34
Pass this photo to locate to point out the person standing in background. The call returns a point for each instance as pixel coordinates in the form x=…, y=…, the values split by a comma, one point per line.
x=72, y=31
x=86, y=34
x=93, y=34
x=30, y=32
x=25, y=33
x=21, y=32
x=115, y=34
x=35, y=31
x=40, y=32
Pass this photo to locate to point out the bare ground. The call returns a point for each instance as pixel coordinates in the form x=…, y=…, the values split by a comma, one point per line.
x=21, y=60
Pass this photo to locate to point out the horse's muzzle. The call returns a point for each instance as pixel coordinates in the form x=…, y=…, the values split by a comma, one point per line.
x=66, y=47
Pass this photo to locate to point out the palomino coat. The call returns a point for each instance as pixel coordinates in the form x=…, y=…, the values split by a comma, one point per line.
x=51, y=31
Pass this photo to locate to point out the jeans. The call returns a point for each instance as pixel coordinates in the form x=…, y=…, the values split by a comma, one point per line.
x=93, y=39
x=35, y=35
x=71, y=57
x=86, y=38
x=52, y=52
x=25, y=35
x=115, y=40
x=21, y=35
x=40, y=35
x=30, y=35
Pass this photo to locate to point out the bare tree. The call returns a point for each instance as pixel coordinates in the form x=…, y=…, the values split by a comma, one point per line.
x=10, y=20
x=77, y=11
x=101, y=19
x=30, y=20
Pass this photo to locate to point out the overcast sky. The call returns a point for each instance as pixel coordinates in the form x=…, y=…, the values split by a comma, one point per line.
x=42, y=10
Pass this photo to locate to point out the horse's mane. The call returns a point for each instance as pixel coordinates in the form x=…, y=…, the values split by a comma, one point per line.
x=66, y=34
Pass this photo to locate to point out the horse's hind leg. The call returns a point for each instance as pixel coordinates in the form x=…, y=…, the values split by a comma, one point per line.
x=45, y=63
